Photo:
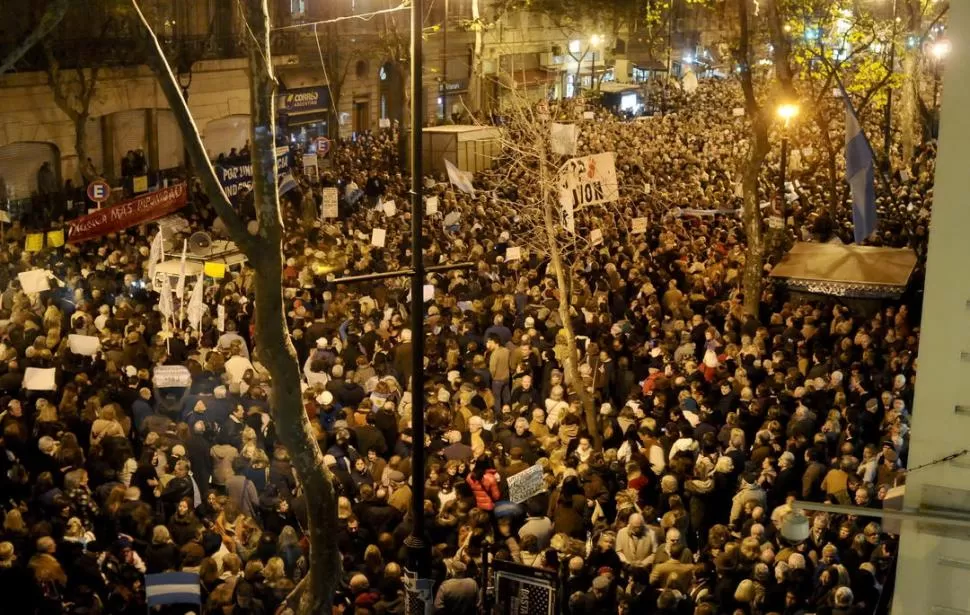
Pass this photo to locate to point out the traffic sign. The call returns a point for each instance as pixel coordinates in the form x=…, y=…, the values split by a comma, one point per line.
x=323, y=147
x=99, y=191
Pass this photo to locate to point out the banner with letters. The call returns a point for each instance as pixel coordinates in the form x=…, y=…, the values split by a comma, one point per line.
x=235, y=177
x=590, y=180
x=144, y=208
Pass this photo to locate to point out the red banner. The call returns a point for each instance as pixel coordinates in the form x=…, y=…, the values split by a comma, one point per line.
x=144, y=208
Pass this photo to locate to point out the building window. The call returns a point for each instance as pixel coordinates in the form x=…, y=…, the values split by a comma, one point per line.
x=574, y=46
x=361, y=69
x=298, y=7
x=383, y=73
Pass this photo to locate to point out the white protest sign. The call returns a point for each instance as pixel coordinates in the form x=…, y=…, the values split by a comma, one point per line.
x=639, y=226
x=596, y=237
x=428, y=292
x=452, y=219
x=563, y=139
x=171, y=376
x=384, y=123
x=589, y=115
x=40, y=379
x=590, y=180
x=738, y=112
x=525, y=484
x=431, y=206
x=904, y=175
x=390, y=209
x=87, y=345
x=34, y=281
x=330, y=203
x=378, y=237
x=513, y=253
x=221, y=317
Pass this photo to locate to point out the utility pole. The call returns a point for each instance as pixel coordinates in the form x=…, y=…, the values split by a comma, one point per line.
x=444, y=63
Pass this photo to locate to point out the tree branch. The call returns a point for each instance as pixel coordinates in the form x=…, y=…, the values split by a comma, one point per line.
x=193, y=141
x=53, y=15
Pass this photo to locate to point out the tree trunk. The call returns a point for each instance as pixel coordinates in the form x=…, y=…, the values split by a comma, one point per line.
x=751, y=278
x=80, y=145
x=908, y=112
x=264, y=251
x=273, y=343
x=831, y=159
x=565, y=302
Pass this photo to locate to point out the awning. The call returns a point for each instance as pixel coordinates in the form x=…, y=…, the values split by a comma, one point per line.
x=293, y=77
x=846, y=270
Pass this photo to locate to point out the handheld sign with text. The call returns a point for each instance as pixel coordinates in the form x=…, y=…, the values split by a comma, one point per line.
x=330, y=203
x=384, y=122
x=596, y=237
x=99, y=191
x=172, y=376
x=513, y=253
x=590, y=180
x=431, y=206
x=378, y=237
x=40, y=379
x=639, y=226
x=144, y=208
x=526, y=484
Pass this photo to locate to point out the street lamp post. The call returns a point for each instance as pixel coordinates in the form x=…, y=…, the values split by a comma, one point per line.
x=595, y=41
x=786, y=112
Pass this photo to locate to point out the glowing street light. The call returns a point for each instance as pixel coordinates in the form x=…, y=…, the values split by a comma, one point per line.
x=940, y=49
x=595, y=41
x=787, y=111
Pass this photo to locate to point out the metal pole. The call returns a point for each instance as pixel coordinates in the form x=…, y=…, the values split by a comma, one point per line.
x=781, y=176
x=888, y=120
x=419, y=553
x=444, y=63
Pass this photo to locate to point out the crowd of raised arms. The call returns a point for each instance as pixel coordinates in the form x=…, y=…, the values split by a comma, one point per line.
x=710, y=421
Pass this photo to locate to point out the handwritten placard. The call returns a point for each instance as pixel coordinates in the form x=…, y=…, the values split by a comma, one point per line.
x=525, y=484
x=513, y=253
x=378, y=237
x=639, y=226
x=330, y=202
x=431, y=206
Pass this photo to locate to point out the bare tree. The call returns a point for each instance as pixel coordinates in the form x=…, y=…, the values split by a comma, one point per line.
x=73, y=93
x=53, y=14
x=264, y=251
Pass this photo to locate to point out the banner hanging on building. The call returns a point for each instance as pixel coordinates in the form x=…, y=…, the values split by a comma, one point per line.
x=235, y=177
x=144, y=208
x=590, y=180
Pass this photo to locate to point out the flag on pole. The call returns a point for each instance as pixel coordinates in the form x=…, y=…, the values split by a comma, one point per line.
x=459, y=179
x=196, y=306
x=156, y=254
x=172, y=588
x=860, y=173
x=165, y=305
x=180, y=285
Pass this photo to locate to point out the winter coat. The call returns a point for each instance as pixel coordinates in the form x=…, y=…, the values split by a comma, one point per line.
x=222, y=456
x=486, y=490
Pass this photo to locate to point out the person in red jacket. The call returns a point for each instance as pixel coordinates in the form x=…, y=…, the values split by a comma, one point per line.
x=484, y=484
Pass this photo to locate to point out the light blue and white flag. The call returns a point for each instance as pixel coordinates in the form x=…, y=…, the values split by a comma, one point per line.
x=860, y=173
x=460, y=179
x=172, y=588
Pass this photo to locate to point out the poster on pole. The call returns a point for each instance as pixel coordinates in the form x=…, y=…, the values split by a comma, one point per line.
x=330, y=203
x=590, y=180
x=526, y=484
x=525, y=590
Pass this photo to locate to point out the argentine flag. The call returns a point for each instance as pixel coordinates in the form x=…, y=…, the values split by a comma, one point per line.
x=859, y=172
x=172, y=588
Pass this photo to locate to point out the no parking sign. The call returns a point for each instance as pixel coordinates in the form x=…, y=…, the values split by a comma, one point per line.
x=99, y=191
x=323, y=147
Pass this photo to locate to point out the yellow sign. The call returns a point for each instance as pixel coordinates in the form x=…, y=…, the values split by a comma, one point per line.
x=55, y=239
x=215, y=270
x=35, y=242
x=140, y=184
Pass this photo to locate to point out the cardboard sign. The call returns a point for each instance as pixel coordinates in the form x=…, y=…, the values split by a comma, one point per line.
x=526, y=484
x=596, y=237
x=378, y=237
x=55, y=239
x=87, y=345
x=172, y=376
x=40, y=379
x=34, y=242
x=215, y=270
x=35, y=280
x=590, y=180
x=331, y=199
x=639, y=226
x=431, y=206
x=513, y=253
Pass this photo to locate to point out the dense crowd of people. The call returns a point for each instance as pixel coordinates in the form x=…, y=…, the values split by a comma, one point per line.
x=709, y=422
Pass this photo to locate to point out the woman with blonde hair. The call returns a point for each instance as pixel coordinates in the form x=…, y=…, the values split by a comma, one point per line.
x=47, y=422
x=278, y=585
x=15, y=530
x=162, y=554
x=106, y=425
x=50, y=581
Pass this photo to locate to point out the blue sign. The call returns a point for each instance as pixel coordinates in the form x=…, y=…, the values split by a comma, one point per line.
x=235, y=177
x=302, y=100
